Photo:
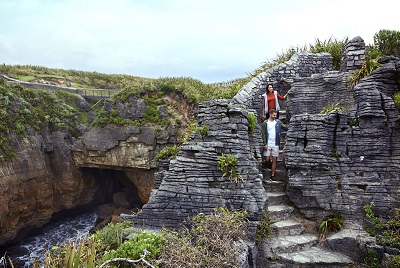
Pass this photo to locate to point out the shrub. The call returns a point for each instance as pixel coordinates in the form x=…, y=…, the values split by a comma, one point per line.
x=190, y=129
x=386, y=231
x=397, y=99
x=202, y=131
x=264, y=227
x=388, y=42
x=370, y=64
x=331, y=108
x=111, y=236
x=330, y=224
x=252, y=119
x=168, y=152
x=393, y=262
x=134, y=248
x=227, y=164
x=208, y=241
x=333, y=46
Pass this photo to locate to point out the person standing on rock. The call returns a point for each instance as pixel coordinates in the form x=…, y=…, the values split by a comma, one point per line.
x=271, y=135
x=270, y=101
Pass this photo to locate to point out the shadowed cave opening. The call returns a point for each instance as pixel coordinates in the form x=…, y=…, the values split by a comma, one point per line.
x=106, y=194
x=114, y=193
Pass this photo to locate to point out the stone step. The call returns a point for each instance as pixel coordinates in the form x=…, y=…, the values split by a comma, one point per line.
x=280, y=212
x=277, y=198
x=292, y=243
x=280, y=173
x=313, y=257
x=274, y=186
x=286, y=227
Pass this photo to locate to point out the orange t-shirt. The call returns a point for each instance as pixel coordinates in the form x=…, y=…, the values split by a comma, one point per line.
x=271, y=101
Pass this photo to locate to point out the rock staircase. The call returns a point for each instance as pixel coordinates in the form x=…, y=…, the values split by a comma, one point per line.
x=294, y=241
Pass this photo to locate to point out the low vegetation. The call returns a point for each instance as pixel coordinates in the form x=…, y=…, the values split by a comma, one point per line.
x=386, y=43
x=227, y=163
x=252, y=119
x=264, y=227
x=168, y=152
x=332, y=223
x=23, y=110
x=331, y=108
x=206, y=241
x=386, y=231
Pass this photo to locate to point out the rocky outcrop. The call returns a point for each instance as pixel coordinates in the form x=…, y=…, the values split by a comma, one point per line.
x=336, y=162
x=40, y=181
x=129, y=149
x=302, y=64
x=353, y=55
x=344, y=159
x=192, y=183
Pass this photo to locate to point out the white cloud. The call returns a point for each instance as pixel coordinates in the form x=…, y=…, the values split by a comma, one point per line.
x=210, y=40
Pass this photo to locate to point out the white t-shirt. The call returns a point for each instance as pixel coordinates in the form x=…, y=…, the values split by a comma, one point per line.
x=271, y=133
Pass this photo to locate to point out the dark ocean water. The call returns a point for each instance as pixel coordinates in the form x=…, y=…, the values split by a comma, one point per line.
x=55, y=233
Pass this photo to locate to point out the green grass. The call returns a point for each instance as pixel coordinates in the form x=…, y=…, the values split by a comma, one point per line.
x=26, y=78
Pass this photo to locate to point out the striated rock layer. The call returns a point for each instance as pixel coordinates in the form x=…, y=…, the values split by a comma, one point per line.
x=341, y=161
x=192, y=182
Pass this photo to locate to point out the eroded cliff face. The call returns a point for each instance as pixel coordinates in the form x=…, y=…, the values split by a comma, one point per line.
x=341, y=161
x=129, y=149
x=51, y=173
x=41, y=180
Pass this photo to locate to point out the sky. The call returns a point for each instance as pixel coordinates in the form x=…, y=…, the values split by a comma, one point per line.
x=208, y=40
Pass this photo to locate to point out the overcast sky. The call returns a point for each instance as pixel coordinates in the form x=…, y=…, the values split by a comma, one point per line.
x=209, y=40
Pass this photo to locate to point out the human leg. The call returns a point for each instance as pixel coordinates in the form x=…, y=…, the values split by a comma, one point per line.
x=274, y=157
x=273, y=166
x=268, y=154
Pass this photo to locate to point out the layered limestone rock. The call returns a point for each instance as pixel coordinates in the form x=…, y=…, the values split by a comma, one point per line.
x=343, y=160
x=303, y=64
x=192, y=182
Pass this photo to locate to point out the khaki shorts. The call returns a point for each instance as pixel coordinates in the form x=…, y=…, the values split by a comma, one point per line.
x=272, y=151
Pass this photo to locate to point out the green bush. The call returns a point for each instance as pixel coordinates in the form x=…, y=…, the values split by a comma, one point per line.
x=111, y=236
x=252, y=119
x=264, y=227
x=331, y=108
x=190, y=129
x=227, y=164
x=386, y=231
x=332, y=46
x=370, y=64
x=168, y=152
x=134, y=248
x=388, y=42
x=209, y=241
x=393, y=262
x=330, y=224
x=397, y=98
x=202, y=131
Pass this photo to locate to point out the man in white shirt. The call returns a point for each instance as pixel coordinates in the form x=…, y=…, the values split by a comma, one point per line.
x=271, y=134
